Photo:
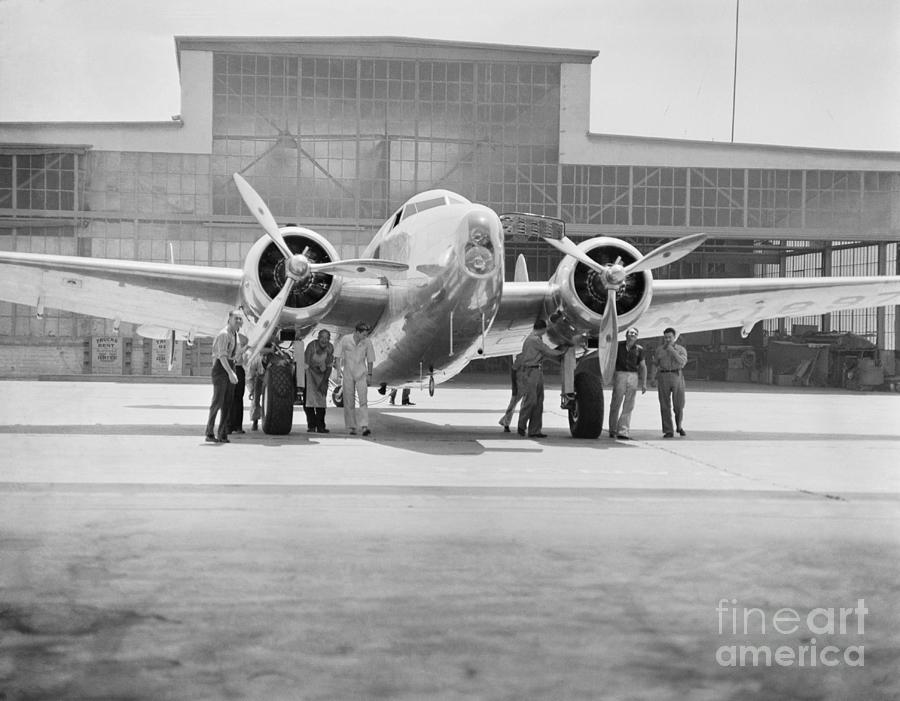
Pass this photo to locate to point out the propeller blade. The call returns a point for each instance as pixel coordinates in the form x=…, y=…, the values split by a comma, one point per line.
x=361, y=267
x=567, y=246
x=265, y=325
x=259, y=210
x=667, y=253
x=608, y=338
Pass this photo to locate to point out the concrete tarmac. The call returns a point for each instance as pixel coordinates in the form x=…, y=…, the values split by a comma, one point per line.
x=756, y=558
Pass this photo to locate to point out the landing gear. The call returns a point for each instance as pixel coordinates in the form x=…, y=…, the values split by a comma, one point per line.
x=277, y=401
x=586, y=409
x=431, y=386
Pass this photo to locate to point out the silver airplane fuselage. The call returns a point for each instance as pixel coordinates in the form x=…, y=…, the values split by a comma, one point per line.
x=440, y=308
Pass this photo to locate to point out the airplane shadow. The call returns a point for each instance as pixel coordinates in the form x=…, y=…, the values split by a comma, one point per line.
x=405, y=432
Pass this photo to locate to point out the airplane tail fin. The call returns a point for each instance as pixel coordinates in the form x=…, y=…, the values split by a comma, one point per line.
x=521, y=274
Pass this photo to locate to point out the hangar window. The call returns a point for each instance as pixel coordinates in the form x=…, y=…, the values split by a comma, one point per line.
x=774, y=198
x=833, y=199
x=658, y=197
x=717, y=197
x=37, y=180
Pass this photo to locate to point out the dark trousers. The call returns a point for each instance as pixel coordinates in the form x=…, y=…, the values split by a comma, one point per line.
x=223, y=396
x=531, y=415
x=404, y=397
x=256, y=387
x=236, y=416
x=315, y=417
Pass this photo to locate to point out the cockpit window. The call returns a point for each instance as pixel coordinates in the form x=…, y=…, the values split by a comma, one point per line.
x=415, y=207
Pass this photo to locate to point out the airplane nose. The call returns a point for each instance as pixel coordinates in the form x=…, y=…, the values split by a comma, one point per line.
x=482, y=241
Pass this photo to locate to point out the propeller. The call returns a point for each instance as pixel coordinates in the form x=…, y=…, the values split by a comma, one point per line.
x=568, y=246
x=297, y=267
x=265, y=325
x=262, y=214
x=613, y=276
x=608, y=338
x=667, y=253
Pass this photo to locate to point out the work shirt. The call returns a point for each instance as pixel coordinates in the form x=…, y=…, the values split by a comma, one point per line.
x=224, y=346
x=356, y=356
x=671, y=358
x=629, y=359
x=534, y=350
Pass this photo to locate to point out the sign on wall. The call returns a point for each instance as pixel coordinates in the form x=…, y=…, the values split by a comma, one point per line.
x=159, y=357
x=106, y=355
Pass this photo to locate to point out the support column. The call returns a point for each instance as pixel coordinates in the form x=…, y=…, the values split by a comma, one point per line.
x=825, y=319
x=782, y=272
x=881, y=312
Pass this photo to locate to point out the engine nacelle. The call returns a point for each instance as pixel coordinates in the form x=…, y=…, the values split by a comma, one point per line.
x=581, y=296
x=264, y=277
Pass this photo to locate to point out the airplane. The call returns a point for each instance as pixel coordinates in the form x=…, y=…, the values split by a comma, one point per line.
x=431, y=287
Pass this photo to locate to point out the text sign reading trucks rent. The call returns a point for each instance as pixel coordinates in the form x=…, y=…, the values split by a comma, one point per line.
x=106, y=355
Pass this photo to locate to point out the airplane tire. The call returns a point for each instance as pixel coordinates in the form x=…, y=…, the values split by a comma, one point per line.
x=586, y=417
x=278, y=399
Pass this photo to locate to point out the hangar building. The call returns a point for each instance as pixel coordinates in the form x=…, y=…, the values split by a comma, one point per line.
x=335, y=133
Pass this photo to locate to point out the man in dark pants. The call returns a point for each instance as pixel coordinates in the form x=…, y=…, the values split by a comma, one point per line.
x=531, y=380
x=671, y=359
x=404, y=397
x=236, y=415
x=224, y=378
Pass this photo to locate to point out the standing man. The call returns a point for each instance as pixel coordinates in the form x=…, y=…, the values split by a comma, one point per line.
x=224, y=378
x=671, y=359
x=236, y=415
x=356, y=358
x=319, y=357
x=630, y=364
x=531, y=380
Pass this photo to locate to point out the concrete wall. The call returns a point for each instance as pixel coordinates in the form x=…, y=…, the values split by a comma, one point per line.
x=191, y=135
x=578, y=146
x=31, y=357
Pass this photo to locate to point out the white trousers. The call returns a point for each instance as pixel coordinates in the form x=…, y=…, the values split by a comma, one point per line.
x=355, y=390
x=625, y=386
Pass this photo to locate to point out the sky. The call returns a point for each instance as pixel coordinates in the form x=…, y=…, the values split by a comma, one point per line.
x=818, y=73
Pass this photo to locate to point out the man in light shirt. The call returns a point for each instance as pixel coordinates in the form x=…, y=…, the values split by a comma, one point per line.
x=356, y=357
x=224, y=378
x=671, y=359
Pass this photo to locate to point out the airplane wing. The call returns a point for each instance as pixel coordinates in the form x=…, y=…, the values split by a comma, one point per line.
x=192, y=300
x=522, y=303
x=702, y=304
